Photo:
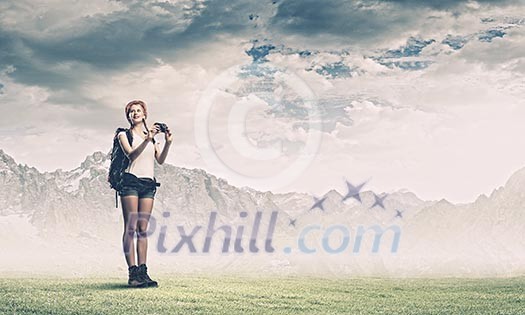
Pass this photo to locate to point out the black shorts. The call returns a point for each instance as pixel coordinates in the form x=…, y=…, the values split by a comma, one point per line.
x=141, y=187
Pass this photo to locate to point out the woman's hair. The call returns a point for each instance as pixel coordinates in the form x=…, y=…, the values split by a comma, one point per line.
x=136, y=102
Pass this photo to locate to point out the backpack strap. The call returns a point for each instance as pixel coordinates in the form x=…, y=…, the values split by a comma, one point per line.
x=130, y=137
x=128, y=134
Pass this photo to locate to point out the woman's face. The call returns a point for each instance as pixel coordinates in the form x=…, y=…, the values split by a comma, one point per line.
x=135, y=114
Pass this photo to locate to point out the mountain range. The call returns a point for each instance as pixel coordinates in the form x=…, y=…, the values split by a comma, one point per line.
x=67, y=221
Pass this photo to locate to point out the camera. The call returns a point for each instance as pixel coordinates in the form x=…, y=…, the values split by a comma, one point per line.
x=162, y=126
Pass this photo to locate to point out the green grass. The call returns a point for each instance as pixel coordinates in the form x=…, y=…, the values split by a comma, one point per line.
x=243, y=295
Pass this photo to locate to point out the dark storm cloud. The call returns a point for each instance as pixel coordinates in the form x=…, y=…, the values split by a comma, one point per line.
x=340, y=18
x=447, y=4
x=31, y=66
x=116, y=41
x=361, y=20
x=146, y=30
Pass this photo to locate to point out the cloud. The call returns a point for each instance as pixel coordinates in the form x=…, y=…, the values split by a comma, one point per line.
x=451, y=4
x=500, y=52
x=457, y=154
x=129, y=34
x=51, y=19
x=351, y=20
x=110, y=36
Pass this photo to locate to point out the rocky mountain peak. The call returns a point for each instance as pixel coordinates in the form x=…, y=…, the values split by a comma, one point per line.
x=333, y=195
x=96, y=159
x=516, y=182
x=6, y=162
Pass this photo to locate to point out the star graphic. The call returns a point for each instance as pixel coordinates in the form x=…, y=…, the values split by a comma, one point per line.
x=353, y=191
x=318, y=203
x=292, y=222
x=379, y=201
x=399, y=214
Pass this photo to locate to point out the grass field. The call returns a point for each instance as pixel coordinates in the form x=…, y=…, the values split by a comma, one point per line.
x=238, y=295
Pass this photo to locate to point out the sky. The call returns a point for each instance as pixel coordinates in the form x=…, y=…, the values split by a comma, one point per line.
x=282, y=95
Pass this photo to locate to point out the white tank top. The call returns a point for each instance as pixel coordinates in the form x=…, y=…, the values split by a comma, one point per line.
x=143, y=165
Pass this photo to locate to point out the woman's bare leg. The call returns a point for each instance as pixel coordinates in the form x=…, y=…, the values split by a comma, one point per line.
x=130, y=205
x=145, y=208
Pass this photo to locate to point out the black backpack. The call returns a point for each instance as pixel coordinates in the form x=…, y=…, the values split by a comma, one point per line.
x=119, y=162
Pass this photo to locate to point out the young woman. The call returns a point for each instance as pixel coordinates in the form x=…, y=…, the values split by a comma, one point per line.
x=139, y=188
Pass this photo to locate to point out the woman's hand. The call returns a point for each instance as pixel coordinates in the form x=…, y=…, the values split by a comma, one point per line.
x=152, y=132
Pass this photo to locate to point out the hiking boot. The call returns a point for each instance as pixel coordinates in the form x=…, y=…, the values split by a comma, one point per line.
x=143, y=275
x=135, y=280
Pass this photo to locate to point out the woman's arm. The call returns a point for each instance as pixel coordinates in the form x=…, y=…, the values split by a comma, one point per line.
x=131, y=153
x=161, y=156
